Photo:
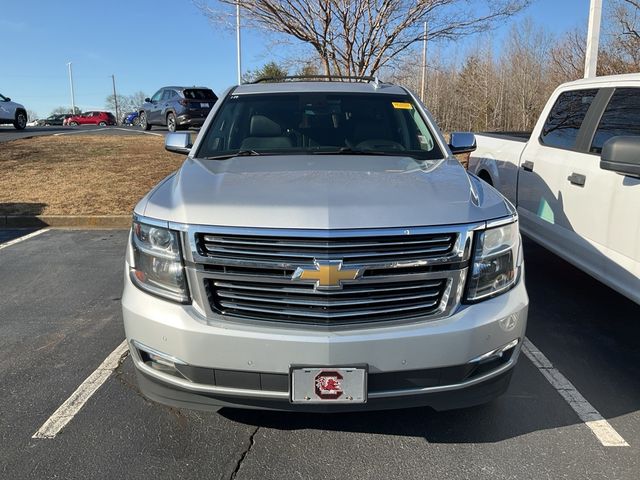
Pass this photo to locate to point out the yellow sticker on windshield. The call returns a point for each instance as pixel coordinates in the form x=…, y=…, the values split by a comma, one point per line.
x=402, y=105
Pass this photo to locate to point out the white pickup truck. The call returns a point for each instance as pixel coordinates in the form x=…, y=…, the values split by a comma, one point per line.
x=576, y=179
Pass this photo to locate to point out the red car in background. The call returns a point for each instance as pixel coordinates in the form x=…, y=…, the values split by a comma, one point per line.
x=91, y=118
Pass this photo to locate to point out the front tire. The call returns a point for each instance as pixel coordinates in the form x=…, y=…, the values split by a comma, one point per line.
x=73, y=124
x=143, y=122
x=103, y=124
x=171, y=122
x=21, y=120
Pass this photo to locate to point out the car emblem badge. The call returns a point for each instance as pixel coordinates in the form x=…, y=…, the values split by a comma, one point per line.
x=328, y=274
x=329, y=385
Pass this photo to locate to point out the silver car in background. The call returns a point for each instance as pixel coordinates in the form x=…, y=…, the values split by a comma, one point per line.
x=321, y=249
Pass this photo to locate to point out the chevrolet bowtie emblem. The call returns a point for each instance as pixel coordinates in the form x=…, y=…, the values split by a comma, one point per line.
x=328, y=274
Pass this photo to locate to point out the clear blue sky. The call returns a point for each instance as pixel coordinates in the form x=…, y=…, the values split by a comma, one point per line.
x=147, y=44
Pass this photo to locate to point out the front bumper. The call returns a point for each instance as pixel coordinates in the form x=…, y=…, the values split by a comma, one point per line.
x=412, y=364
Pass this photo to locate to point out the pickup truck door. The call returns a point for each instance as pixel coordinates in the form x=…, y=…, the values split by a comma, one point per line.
x=543, y=164
x=601, y=206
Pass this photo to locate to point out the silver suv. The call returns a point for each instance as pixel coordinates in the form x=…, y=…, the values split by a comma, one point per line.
x=321, y=249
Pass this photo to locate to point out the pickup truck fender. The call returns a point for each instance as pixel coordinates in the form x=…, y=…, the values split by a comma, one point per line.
x=486, y=168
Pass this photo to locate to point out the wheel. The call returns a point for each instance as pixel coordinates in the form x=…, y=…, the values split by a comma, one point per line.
x=143, y=121
x=136, y=121
x=73, y=124
x=47, y=124
x=171, y=122
x=20, y=121
x=103, y=124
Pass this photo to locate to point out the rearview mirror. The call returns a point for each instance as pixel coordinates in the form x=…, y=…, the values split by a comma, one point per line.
x=462, y=142
x=621, y=155
x=178, y=142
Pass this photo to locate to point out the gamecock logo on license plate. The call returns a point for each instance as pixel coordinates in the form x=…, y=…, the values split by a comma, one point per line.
x=329, y=385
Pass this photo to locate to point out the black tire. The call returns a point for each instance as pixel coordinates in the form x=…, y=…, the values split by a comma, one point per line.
x=21, y=120
x=73, y=124
x=172, y=125
x=102, y=124
x=143, y=121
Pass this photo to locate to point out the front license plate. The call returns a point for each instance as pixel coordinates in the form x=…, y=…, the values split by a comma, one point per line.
x=328, y=385
x=204, y=105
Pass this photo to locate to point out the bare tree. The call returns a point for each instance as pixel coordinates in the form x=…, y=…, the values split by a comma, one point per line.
x=358, y=37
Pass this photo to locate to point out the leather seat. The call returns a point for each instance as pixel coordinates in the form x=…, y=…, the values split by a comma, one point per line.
x=265, y=134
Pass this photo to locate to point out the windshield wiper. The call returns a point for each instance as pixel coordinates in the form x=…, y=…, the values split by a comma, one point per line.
x=241, y=153
x=353, y=151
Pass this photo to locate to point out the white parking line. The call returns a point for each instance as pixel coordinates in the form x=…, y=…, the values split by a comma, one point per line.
x=23, y=238
x=65, y=413
x=587, y=413
x=137, y=131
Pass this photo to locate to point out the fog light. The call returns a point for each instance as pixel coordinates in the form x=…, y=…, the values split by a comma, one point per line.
x=158, y=360
x=497, y=353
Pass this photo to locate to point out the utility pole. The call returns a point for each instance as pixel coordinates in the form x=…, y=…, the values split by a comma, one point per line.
x=238, y=42
x=73, y=97
x=115, y=97
x=593, y=39
x=424, y=62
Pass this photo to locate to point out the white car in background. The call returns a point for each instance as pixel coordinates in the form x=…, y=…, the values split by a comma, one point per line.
x=12, y=112
x=576, y=179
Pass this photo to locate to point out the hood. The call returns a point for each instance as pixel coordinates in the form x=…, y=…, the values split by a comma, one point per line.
x=322, y=192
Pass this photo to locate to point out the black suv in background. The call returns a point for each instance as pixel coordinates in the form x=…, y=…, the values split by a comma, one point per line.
x=177, y=107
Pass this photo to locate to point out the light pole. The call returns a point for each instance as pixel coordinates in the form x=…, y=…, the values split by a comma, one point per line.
x=73, y=97
x=115, y=97
x=238, y=42
x=593, y=39
x=424, y=62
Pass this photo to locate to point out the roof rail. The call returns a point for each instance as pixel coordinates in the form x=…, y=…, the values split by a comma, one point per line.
x=326, y=78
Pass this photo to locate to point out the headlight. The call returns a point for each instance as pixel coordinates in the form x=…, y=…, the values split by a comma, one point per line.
x=157, y=265
x=496, y=261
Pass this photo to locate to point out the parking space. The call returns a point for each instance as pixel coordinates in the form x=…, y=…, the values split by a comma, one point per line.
x=61, y=318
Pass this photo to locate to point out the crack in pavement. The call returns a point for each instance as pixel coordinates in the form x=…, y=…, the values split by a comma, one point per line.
x=244, y=454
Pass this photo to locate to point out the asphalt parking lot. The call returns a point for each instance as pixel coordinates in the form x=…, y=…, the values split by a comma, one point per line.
x=60, y=318
x=8, y=133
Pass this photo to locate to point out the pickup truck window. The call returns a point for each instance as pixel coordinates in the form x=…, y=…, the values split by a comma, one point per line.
x=621, y=117
x=564, y=121
x=316, y=123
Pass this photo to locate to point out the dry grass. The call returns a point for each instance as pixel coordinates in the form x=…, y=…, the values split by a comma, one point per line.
x=80, y=174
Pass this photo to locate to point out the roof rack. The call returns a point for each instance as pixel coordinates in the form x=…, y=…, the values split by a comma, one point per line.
x=327, y=78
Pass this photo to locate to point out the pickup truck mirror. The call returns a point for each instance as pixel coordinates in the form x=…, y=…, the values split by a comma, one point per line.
x=147, y=100
x=178, y=142
x=621, y=155
x=462, y=142
x=7, y=99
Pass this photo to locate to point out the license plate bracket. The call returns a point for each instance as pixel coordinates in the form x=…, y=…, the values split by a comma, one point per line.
x=334, y=384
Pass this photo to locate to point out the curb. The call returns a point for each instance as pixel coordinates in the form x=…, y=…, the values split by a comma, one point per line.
x=78, y=221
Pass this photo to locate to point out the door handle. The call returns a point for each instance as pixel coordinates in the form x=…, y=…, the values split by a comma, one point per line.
x=577, y=179
x=528, y=166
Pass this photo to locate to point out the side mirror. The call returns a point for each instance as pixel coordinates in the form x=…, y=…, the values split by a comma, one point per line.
x=621, y=155
x=178, y=142
x=7, y=99
x=148, y=100
x=462, y=142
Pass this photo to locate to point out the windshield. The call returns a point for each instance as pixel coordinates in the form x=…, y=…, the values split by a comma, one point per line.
x=317, y=123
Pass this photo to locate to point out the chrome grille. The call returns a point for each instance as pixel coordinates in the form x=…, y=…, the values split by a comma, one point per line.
x=361, y=250
x=356, y=302
x=248, y=274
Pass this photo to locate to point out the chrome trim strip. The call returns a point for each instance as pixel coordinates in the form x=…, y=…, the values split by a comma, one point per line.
x=153, y=351
x=499, y=222
x=444, y=388
x=150, y=221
